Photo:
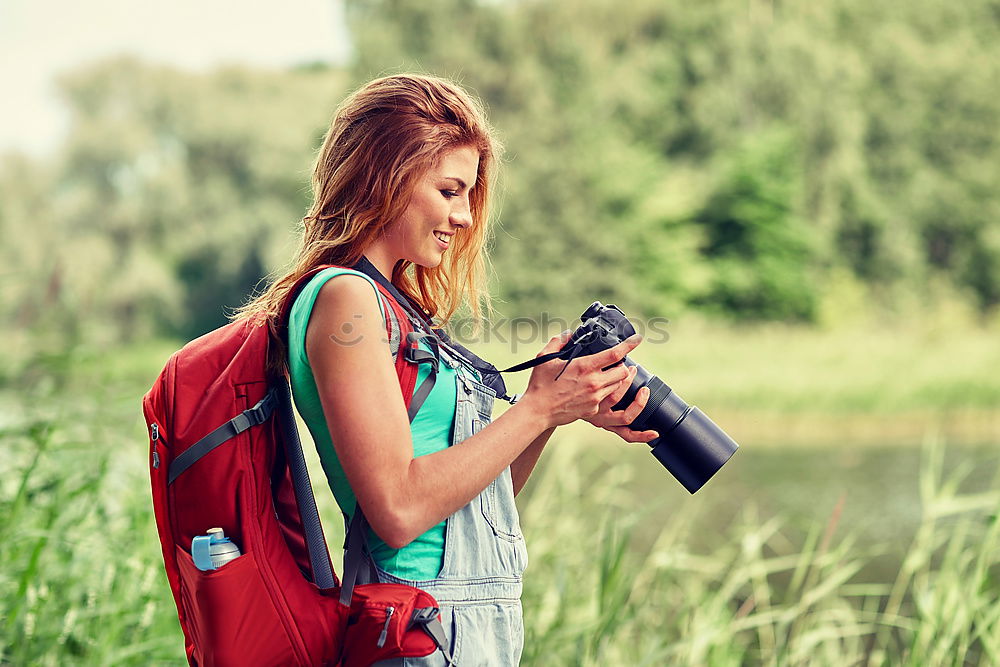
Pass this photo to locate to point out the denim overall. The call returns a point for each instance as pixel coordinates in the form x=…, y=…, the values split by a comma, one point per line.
x=479, y=586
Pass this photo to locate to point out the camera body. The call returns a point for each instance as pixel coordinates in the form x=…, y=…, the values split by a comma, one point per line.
x=690, y=445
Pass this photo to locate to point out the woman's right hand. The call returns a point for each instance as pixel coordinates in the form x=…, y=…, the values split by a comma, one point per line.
x=578, y=392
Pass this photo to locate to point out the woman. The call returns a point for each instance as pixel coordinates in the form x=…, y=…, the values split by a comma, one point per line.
x=401, y=187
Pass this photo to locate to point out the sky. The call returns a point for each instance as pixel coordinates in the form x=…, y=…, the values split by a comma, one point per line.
x=41, y=38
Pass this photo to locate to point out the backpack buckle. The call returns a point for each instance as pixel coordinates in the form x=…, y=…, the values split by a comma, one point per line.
x=415, y=355
x=256, y=415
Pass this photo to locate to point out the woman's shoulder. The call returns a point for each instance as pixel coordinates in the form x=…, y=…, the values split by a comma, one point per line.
x=348, y=310
x=337, y=289
x=350, y=282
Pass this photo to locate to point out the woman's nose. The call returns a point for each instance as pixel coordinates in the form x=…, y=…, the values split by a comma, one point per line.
x=461, y=215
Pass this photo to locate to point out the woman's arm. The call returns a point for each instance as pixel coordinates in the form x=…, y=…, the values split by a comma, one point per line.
x=403, y=496
x=522, y=466
x=616, y=422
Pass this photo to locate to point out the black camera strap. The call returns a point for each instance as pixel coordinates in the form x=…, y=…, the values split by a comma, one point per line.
x=568, y=353
x=489, y=373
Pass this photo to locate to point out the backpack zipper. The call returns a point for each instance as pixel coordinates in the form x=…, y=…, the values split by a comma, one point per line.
x=154, y=435
x=385, y=628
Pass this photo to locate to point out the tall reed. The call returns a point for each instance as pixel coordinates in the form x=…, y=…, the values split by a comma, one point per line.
x=81, y=576
x=756, y=597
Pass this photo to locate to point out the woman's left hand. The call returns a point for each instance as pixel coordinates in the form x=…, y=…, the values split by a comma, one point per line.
x=617, y=421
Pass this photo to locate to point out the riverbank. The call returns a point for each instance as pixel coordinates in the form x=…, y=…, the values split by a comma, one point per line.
x=856, y=493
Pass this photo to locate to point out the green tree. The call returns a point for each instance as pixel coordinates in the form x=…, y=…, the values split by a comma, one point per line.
x=177, y=192
x=722, y=156
x=762, y=254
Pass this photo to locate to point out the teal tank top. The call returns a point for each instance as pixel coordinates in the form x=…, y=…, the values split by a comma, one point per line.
x=430, y=430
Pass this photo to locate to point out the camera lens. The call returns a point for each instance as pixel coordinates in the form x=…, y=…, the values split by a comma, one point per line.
x=691, y=446
x=695, y=450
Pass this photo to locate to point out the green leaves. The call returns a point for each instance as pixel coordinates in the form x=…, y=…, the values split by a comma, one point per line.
x=729, y=158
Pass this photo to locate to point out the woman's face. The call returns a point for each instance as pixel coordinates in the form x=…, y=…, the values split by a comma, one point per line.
x=438, y=210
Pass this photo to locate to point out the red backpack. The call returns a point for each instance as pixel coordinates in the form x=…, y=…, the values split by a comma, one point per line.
x=225, y=452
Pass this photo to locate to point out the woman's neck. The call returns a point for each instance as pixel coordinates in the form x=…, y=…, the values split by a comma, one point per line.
x=382, y=259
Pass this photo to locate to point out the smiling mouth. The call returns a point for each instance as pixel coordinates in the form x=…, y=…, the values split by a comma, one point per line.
x=443, y=238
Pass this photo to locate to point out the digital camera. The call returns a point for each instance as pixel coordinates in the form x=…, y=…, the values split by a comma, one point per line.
x=690, y=445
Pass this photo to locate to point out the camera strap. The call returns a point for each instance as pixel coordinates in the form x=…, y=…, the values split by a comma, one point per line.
x=489, y=373
x=568, y=353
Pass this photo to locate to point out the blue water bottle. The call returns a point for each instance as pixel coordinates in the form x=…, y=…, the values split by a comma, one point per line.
x=213, y=550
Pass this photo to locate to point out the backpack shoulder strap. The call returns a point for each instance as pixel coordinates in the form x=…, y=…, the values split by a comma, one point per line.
x=398, y=329
x=392, y=326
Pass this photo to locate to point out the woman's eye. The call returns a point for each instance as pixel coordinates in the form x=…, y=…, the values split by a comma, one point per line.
x=449, y=193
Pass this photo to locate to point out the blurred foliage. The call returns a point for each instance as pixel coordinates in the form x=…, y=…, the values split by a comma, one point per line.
x=171, y=199
x=752, y=159
x=756, y=571
x=726, y=155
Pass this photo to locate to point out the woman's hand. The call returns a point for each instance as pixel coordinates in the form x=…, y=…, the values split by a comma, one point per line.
x=581, y=390
x=617, y=421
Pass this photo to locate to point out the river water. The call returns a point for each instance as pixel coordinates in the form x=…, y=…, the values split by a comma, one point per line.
x=879, y=488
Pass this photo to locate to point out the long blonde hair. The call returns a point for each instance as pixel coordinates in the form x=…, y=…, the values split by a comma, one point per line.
x=383, y=137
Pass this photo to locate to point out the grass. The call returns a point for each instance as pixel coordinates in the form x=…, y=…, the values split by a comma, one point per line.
x=755, y=597
x=81, y=578
x=611, y=581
